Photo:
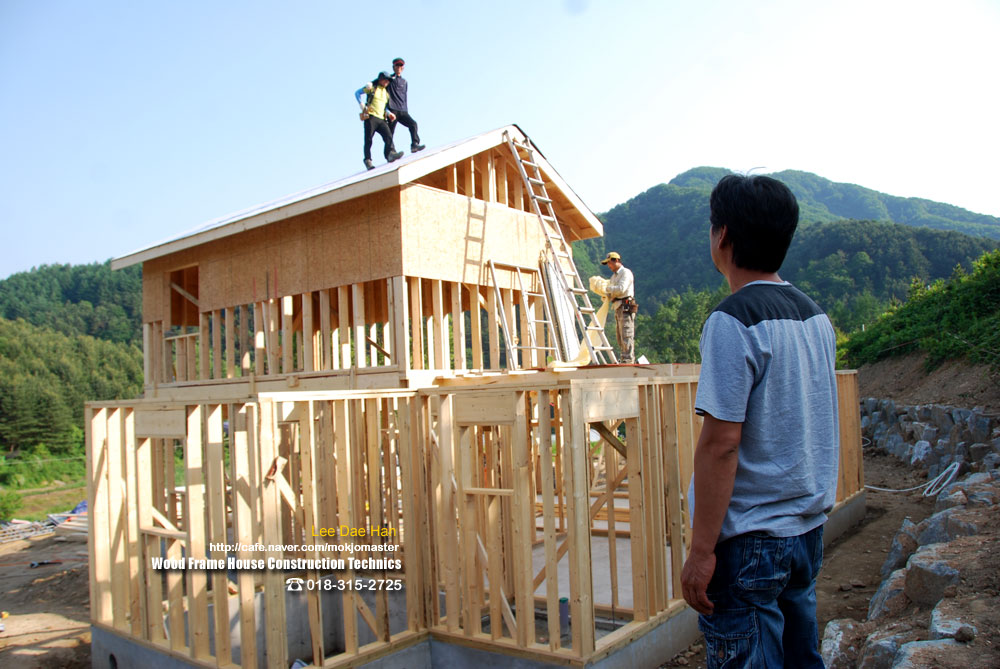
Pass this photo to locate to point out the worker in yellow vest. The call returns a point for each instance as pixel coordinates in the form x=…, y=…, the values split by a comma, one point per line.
x=374, y=115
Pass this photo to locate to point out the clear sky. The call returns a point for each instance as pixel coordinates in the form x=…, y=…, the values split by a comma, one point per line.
x=126, y=122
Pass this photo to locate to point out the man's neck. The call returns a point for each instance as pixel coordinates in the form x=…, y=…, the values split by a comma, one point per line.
x=739, y=277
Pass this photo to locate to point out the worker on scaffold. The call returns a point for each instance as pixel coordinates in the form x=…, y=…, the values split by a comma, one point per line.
x=621, y=292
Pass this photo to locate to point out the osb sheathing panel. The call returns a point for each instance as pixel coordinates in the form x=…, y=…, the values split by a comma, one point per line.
x=350, y=242
x=451, y=237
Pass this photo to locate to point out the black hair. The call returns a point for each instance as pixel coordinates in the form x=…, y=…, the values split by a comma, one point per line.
x=760, y=215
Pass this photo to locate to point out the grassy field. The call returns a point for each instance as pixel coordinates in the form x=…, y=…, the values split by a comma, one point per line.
x=37, y=504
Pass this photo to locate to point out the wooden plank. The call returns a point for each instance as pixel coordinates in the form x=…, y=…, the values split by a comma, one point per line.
x=494, y=329
x=523, y=517
x=133, y=548
x=230, y=339
x=578, y=518
x=287, y=334
x=271, y=313
x=500, y=168
x=345, y=510
x=528, y=355
x=548, y=515
x=245, y=489
x=611, y=467
x=449, y=558
x=260, y=352
x=117, y=518
x=216, y=499
x=376, y=484
x=416, y=324
x=147, y=354
x=470, y=176
x=511, y=322
x=204, y=363
x=274, y=586
x=326, y=354
x=398, y=318
x=308, y=335
x=160, y=423
x=216, y=351
x=194, y=514
x=457, y=326
x=149, y=547
x=475, y=327
x=310, y=503
x=672, y=480
x=437, y=318
x=358, y=296
x=245, y=339
x=464, y=465
x=343, y=326
x=96, y=424
x=637, y=513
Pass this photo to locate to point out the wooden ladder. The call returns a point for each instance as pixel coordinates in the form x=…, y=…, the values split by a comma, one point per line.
x=561, y=253
x=534, y=278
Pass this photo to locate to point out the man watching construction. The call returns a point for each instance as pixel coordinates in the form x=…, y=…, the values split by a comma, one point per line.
x=397, y=105
x=373, y=113
x=765, y=467
x=622, y=293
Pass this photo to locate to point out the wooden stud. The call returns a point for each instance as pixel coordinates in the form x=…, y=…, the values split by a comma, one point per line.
x=578, y=517
x=523, y=519
x=245, y=490
x=259, y=340
x=204, y=352
x=494, y=329
x=325, y=352
x=310, y=504
x=344, y=326
x=274, y=586
x=98, y=530
x=194, y=515
x=476, y=327
x=358, y=295
x=287, y=334
x=398, y=316
x=440, y=341
x=216, y=498
x=308, y=335
x=416, y=324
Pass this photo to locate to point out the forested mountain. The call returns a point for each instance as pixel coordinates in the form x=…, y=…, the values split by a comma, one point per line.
x=78, y=299
x=824, y=200
x=45, y=377
x=662, y=235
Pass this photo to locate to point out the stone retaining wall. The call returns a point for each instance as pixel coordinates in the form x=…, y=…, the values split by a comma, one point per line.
x=924, y=567
x=932, y=436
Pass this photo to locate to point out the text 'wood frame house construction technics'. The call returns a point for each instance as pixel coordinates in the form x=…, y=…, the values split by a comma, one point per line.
x=356, y=376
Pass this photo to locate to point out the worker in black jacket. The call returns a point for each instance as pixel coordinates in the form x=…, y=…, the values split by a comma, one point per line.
x=397, y=105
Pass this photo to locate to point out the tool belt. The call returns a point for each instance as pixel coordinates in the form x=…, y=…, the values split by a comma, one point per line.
x=628, y=304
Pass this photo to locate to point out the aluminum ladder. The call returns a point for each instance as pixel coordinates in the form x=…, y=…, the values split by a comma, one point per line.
x=562, y=254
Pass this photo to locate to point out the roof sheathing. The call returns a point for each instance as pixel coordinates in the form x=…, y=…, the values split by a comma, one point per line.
x=404, y=171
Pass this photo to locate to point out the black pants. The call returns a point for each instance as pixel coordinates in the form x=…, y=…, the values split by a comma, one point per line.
x=409, y=122
x=373, y=125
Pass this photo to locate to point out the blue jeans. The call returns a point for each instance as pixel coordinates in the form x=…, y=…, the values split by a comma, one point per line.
x=764, y=591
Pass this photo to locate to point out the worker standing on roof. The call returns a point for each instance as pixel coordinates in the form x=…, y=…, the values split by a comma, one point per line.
x=621, y=291
x=397, y=105
x=374, y=113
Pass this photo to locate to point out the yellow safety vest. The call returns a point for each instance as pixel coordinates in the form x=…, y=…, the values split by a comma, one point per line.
x=379, y=99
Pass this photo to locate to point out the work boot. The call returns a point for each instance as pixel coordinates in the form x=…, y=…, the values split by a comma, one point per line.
x=369, y=164
x=416, y=147
x=394, y=156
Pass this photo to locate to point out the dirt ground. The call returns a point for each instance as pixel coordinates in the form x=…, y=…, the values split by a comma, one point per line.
x=48, y=605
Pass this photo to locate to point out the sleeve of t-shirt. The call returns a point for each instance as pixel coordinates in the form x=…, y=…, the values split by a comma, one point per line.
x=727, y=369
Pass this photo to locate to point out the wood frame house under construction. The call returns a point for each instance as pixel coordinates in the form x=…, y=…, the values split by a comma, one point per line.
x=371, y=355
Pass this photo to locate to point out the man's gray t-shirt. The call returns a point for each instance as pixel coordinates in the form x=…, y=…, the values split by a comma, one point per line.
x=768, y=355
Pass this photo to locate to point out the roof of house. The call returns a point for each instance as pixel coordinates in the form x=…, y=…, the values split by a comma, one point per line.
x=403, y=171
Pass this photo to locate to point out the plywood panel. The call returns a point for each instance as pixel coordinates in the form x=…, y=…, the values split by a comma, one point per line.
x=450, y=237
